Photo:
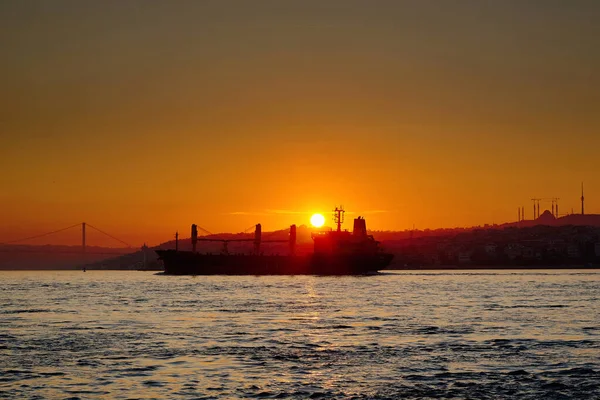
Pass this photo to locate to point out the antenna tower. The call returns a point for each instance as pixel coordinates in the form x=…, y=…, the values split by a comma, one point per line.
x=338, y=217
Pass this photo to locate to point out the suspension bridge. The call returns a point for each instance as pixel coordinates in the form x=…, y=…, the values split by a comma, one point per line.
x=82, y=250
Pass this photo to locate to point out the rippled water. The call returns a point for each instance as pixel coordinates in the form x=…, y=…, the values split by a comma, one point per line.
x=473, y=335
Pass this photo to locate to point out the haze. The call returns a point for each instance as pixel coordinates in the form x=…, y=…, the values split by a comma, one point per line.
x=141, y=117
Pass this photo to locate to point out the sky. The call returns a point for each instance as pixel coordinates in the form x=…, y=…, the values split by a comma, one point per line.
x=142, y=117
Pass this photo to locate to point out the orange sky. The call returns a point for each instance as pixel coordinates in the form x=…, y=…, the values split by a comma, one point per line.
x=142, y=117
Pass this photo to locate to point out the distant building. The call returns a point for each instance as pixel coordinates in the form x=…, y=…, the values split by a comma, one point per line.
x=556, y=246
x=432, y=258
x=573, y=251
x=490, y=249
x=546, y=218
x=528, y=253
x=513, y=251
x=464, y=257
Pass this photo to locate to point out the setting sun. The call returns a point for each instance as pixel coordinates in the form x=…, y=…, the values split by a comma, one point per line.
x=317, y=220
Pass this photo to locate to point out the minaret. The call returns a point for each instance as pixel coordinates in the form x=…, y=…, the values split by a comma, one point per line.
x=582, y=198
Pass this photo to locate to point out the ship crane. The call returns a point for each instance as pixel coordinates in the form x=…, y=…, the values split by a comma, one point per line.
x=257, y=239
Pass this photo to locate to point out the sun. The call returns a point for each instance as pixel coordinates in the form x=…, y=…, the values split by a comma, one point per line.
x=317, y=220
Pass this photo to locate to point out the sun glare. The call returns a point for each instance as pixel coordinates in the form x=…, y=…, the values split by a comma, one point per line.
x=317, y=220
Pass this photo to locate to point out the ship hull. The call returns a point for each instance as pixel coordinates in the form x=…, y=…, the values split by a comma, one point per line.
x=190, y=263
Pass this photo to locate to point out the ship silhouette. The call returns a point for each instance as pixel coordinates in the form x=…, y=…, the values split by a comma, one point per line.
x=336, y=252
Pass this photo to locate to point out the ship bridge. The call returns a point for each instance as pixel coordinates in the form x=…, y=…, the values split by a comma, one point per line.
x=344, y=242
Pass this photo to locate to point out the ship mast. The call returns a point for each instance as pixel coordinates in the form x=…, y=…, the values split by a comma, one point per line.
x=338, y=217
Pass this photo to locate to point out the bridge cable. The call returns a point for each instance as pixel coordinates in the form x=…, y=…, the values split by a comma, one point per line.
x=39, y=236
x=247, y=230
x=110, y=236
x=204, y=230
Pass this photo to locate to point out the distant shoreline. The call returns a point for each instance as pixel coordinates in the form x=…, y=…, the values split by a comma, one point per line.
x=490, y=267
x=427, y=268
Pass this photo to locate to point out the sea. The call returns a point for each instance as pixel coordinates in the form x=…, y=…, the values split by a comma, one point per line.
x=399, y=335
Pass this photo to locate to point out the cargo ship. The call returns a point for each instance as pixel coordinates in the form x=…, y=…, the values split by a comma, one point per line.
x=336, y=252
